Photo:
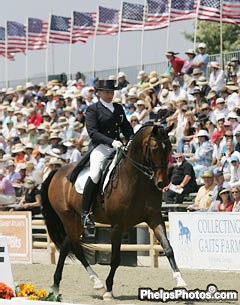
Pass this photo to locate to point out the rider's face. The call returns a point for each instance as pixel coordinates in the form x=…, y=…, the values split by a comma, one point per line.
x=106, y=95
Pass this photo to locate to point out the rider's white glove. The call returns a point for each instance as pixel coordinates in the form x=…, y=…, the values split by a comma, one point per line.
x=116, y=144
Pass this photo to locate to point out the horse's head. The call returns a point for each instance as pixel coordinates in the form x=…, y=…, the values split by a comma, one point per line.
x=157, y=148
x=150, y=148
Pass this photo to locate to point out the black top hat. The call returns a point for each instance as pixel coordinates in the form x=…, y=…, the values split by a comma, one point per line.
x=106, y=85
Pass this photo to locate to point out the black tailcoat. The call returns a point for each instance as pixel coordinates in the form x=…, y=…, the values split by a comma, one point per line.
x=104, y=126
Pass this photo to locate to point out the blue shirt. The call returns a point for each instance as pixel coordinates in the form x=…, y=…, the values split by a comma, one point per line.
x=204, y=59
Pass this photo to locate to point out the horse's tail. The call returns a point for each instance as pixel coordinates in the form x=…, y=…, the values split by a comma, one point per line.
x=54, y=225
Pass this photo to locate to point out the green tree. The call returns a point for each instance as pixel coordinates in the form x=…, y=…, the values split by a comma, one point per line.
x=209, y=32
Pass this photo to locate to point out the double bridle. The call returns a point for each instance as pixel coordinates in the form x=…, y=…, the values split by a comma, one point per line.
x=150, y=167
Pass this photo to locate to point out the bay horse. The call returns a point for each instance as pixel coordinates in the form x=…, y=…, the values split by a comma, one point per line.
x=134, y=196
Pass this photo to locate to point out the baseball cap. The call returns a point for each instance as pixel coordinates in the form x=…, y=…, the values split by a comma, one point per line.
x=202, y=45
x=234, y=158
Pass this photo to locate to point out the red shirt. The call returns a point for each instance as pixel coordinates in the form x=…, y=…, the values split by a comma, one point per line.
x=177, y=64
x=227, y=209
x=35, y=119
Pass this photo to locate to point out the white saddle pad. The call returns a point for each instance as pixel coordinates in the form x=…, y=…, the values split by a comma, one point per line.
x=84, y=174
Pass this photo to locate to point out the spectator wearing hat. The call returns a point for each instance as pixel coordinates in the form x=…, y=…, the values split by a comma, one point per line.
x=204, y=194
x=32, y=134
x=43, y=142
x=183, y=177
x=187, y=67
x=12, y=175
x=204, y=86
x=225, y=161
x=50, y=101
x=104, y=121
x=142, y=79
x=33, y=172
x=53, y=115
x=217, y=77
x=175, y=62
x=31, y=199
x=88, y=95
x=188, y=133
x=141, y=112
x=134, y=121
x=9, y=130
x=177, y=92
x=72, y=154
x=7, y=192
x=69, y=114
x=18, y=153
x=201, y=59
x=122, y=81
x=226, y=202
x=235, y=67
x=232, y=118
x=203, y=154
x=196, y=74
x=232, y=98
x=220, y=111
x=163, y=111
x=28, y=152
x=9, y=117
x=20, y=95
x=234, y=171
x=220, y=184
x=235, y=191
x=22, y=133
x=53, y=163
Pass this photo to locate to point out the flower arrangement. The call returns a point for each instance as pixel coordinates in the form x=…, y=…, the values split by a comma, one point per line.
x=28, y=290
x=6, y=292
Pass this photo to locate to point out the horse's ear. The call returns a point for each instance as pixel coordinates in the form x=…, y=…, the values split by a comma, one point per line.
x=155, y=130
x=169, y=128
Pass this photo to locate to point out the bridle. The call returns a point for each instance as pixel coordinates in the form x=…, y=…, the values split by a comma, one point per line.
x=150, y=167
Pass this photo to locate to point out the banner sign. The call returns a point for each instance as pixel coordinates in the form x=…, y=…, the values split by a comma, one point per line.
x=17, y=227
x=202, y=240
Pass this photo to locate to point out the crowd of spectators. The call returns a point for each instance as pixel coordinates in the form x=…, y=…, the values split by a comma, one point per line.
x=42, y=127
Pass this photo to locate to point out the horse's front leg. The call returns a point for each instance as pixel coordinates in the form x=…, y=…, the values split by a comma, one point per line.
x=116, y=239
x=161, y=235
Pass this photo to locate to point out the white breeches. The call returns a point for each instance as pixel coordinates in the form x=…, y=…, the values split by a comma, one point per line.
x=98, y=155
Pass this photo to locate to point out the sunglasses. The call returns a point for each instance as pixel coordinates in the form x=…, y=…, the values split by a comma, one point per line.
x=235, y=192
x=178, y=158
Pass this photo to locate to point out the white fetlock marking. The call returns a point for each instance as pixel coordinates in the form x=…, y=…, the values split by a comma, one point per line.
x=97, y=283
x=108, y=296
x=179, y=279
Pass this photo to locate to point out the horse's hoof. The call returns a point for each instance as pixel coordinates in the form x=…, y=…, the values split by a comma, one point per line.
x=54, y=289
x=180, y=281
x=97, y=283
x=108, y=296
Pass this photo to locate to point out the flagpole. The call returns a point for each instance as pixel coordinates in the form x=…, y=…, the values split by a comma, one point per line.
x=70, y=48
x=143, y=28
x=47, y=48
x=196, y=25
x=168, y=27
x=221, y=34
x=119, y=36
x=94, y=42
x=27, y=51
x=6, y=54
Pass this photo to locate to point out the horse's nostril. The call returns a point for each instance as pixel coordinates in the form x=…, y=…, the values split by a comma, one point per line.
x=159, y=184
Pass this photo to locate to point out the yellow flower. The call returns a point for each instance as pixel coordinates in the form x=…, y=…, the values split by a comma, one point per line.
x=33, y=297
x=41, y=293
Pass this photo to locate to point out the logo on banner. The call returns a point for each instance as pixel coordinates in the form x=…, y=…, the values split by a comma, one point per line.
x=184, y=233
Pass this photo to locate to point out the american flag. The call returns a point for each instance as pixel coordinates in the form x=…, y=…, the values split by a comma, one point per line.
x=231, y=11
x=183, y=10
x=108, y=21
x=60, y=29
x=37, y=34
x=83, y=26
x=3, y=44
x=209, y=10
x=132, y=17
x=16, y=37
x=157, y=14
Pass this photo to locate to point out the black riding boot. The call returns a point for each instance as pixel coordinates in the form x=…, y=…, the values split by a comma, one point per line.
x=89, y=192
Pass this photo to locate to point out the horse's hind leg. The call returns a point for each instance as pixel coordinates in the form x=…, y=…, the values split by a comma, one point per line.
x=116, y=238
x=65, y=249
x=161, y=235
x=79, y=253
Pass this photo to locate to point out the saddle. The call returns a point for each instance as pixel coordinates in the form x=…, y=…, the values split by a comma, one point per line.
x=108, y=169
